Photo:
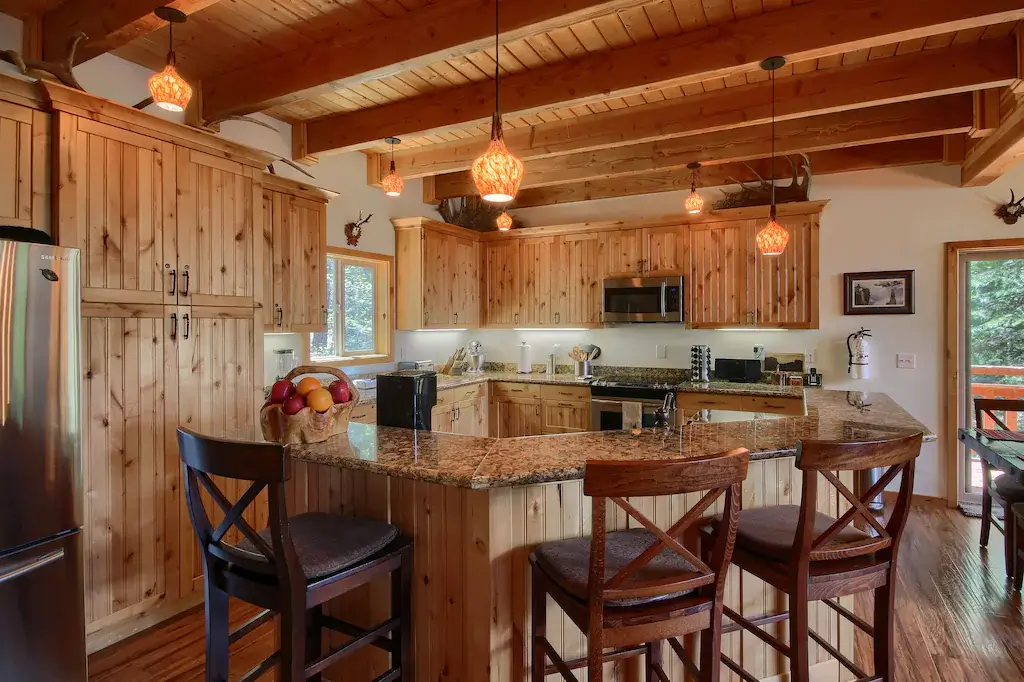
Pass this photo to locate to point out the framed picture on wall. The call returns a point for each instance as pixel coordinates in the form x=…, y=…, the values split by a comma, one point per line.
x=888, y=292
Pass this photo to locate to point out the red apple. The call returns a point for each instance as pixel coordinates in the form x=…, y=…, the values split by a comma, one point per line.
x=293, y=404
x=339, y=391
x=281, y=391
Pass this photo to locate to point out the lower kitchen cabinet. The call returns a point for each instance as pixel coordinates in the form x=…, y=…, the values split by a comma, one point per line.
x=517, y=417
x=461, y=410
x=565, y=416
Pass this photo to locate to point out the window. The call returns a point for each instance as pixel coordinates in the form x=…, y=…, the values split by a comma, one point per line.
x=359, y=328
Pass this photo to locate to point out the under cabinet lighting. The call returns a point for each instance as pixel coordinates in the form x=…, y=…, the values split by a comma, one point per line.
x=462, y=329
x=550, y=329
x=749, y=329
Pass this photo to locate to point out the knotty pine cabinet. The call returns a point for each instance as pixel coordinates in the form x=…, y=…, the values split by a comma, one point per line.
x=501, y=282
x=577, y=281
x=24, y=156
x=462, y=410
x=437, y=275
x=294, y=252
x=645, y=252
x=716, y=288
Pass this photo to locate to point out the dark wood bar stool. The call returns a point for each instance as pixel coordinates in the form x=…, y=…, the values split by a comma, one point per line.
x=811, y=556
x=1002, y=489
x=291, y=568
x=628, y=590
x=1017, y=511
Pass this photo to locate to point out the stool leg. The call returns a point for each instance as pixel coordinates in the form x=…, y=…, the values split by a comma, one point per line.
x=711, y=649
x=401, y=608
x=986, y=505
x=217, y=644
x=314, y=638
x=1009, y=536
x=653, y=660
x=292, y=636
x=799, y=636
x=885, y=609
x=539, y=629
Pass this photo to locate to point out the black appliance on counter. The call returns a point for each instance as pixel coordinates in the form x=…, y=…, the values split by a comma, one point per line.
x=745, y=371
x=405, y=398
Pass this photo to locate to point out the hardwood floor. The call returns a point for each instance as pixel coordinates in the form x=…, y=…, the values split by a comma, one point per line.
x=958, y=620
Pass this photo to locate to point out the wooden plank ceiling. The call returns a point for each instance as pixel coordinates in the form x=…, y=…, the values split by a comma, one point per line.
x=593, y=90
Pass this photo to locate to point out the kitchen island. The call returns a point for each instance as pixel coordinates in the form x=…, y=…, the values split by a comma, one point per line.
x=476, y=506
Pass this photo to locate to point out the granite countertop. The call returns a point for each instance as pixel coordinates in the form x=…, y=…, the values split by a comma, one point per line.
x=476, y=462
x=369, y=396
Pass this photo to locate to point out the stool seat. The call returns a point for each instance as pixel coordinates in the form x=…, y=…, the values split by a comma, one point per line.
x=770, y=531
x=1006, y=488
x=328, y=543
x=567, y=563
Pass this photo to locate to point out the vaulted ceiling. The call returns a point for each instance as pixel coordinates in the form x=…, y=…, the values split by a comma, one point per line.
x=601, y=97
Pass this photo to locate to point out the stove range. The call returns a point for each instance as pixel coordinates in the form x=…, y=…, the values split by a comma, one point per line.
x=634, y=389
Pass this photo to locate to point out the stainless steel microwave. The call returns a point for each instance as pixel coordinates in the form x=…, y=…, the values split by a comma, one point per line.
x=643, y=299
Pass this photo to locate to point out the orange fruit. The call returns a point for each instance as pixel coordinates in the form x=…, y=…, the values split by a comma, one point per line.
x=320, y=400
x=307, y=386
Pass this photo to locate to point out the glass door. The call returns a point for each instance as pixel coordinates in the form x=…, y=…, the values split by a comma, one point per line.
x=992, y=323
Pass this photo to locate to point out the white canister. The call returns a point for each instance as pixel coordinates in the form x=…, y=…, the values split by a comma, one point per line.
x=525, y=365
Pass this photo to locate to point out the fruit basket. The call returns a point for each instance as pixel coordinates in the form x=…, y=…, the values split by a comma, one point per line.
x=308, y=412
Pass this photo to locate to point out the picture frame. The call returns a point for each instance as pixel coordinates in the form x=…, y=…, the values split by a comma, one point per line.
x=883, y=292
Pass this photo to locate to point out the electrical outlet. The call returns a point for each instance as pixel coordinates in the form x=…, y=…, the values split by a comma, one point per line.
x=401, y=354
x=811, y=357
x=906, y=361
x=660, y=351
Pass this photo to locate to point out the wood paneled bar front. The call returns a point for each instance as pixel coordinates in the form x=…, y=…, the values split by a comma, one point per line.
x=477, y=506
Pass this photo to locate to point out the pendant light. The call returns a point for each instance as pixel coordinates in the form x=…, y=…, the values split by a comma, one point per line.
x=392, y=182
x=695, y=202
x=504, y=222
x=773, y=238
x=169, y=90
x=497, y=172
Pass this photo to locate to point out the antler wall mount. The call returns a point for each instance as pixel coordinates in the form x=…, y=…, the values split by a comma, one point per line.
x=354, y=230
x=1011, y=212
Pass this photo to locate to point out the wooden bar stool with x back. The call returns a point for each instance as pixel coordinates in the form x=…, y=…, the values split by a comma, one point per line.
x=628, y=590
x=1002, y=489
x=811, y=556
x=291, y=568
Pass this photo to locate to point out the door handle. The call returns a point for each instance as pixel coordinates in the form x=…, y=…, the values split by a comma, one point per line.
x=174, y=282
x=22, y=567
x=279, y=313
x=664, y=299
x=188, y=324
x=456, y=318
x=515, y=318
x=185, y=291
x=557, y=315
x=174, y=326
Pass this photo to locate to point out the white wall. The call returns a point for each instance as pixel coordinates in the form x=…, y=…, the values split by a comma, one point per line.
x=875, y=220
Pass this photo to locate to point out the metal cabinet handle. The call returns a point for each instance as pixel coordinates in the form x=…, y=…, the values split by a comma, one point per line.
x=188, y=324
x=456, y=318
x=174, y=282
x=21, y=568
x=174, y=326
x=279, y=313
x=647, y=268
x=185, y=291
x=426, y=318
x=536, y=409
x=458, y=413
x=664, y=299
x=323, y=308
x=557, y=315
x=515, y=318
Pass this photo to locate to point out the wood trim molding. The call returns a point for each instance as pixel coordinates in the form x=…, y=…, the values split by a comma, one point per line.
x=22, y=92
x=954, y=350
x=417, y=222
x=297, y=188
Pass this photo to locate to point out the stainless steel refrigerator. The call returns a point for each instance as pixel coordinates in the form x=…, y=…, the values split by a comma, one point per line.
x=42, y=622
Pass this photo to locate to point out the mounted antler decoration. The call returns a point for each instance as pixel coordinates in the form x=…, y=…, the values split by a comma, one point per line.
x=353, y=231
x=760, y=193
x=1011, y=212
x=63, y=71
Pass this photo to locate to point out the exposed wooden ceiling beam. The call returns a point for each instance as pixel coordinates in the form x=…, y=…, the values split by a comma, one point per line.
x=931, y=117
x=109, y=24
x=867, y=157
x=985, y=64
x=995, y=154
x=435, y=32
x=807, y=31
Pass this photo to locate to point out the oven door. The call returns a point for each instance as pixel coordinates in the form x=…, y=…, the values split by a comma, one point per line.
x=643, y=299
x=606, y=415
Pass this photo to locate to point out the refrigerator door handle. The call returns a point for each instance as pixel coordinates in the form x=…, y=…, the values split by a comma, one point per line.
x=20, y=568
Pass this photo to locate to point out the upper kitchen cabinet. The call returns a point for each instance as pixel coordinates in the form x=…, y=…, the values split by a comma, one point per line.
x=24, y=156
x=666, y=250
x=536, y=275
x=501, y=282
x=294, y=249
x=782, y=291
x=577, y=280
x=622, y=253
x=437, y=275
x=717, y=283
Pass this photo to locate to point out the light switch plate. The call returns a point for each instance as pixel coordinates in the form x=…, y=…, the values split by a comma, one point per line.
x=906, y=361
x=660, y=351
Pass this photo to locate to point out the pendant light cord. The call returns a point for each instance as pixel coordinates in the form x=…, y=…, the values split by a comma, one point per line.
x=497, y=90
x=773, y=145
x=170, y=46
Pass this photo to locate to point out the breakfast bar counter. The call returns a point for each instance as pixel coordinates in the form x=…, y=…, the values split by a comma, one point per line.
x=475, y=507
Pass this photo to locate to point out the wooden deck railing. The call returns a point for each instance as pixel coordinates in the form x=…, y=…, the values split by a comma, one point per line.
x=1005, y=391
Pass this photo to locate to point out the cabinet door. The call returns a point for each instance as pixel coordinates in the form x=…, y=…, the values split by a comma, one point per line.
x=437, y=279
x=271, y=314
x=465, y=292
x=442, y=418
x=471, y=417
x=622, y=253
x=577, y=279
x=119, y=211
x=717, y=286
x=24, y=162
x=133, y=503
x=783, y=290
x=304, y=309
x=565, y=416
x=518, y=418
x=666, y=250
x=535, y=271
x=501, y=269
x=217, y=248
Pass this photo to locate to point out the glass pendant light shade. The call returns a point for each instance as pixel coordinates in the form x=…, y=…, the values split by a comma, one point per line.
x=504, y=222
x=694, y=203
x=773, y=238
x=392, y=182
x=497, y=172
x=169, y=90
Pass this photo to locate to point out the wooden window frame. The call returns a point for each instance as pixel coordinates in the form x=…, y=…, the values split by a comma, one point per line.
x=384, y=305
x=953, y=409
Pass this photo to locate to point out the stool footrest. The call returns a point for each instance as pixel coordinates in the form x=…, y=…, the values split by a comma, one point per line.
x=687, y=662
x=250, y=625
x=752, y=625
x=614, y=655
x=733, y=666
x=351, y=647
x=258, y=672
x=850, y=616
x=838, y=655
x=389, y=675
x=354, y=631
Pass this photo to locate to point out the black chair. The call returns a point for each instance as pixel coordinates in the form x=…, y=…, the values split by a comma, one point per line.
x=1002, y=489
x=291, y=568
